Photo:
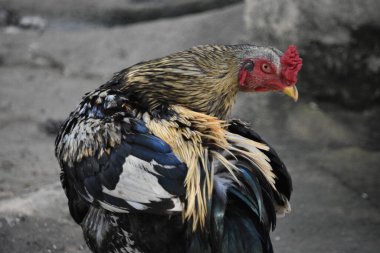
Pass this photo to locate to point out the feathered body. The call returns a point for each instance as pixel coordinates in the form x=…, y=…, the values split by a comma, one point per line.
x=150, y=162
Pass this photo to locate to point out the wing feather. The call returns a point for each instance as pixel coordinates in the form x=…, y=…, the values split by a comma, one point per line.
x=110, y=158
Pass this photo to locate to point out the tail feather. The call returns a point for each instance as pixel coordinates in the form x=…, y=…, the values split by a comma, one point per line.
x=242, y=233
x=240, y=217
x=254, y=186
x=219, y=205
x=243, y=211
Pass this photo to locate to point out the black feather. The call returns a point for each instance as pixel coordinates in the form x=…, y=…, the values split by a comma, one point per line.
x=283, y=180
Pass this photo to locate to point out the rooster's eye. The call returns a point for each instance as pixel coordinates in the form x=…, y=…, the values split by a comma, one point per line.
x=266, y=68
x=249, y=66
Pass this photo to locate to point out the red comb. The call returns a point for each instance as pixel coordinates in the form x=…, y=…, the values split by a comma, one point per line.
x=291, y=64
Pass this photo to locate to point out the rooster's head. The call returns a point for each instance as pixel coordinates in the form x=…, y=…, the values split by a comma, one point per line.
x=267, y=69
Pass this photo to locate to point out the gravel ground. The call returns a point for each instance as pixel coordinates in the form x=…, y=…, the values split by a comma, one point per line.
x=333, y=153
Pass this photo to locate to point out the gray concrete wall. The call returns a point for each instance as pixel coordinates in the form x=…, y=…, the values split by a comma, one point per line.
x=111, y=12
x=303, y=21
x=339, y=40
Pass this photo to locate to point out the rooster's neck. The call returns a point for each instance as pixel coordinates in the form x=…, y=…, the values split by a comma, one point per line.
x=215, y=98
x=203, y=79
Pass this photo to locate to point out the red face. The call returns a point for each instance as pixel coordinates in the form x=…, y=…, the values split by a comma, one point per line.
x=261, y=74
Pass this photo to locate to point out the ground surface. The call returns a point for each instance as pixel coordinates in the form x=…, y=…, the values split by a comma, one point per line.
x=332, y=152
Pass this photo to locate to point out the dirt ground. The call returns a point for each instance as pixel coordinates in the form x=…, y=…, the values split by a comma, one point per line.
x=332, y=152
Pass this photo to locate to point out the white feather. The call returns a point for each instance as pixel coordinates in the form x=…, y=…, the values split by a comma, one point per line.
x=138, y=186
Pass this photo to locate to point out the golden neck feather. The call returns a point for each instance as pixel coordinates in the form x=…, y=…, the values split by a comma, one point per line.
x=203, y=79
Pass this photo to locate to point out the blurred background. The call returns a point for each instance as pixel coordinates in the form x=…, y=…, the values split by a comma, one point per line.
x=53, y=51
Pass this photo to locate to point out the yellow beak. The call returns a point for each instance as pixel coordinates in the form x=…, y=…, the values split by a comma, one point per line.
x=291, y=92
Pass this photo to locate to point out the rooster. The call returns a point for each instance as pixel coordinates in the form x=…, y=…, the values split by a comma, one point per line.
x=151, y=163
